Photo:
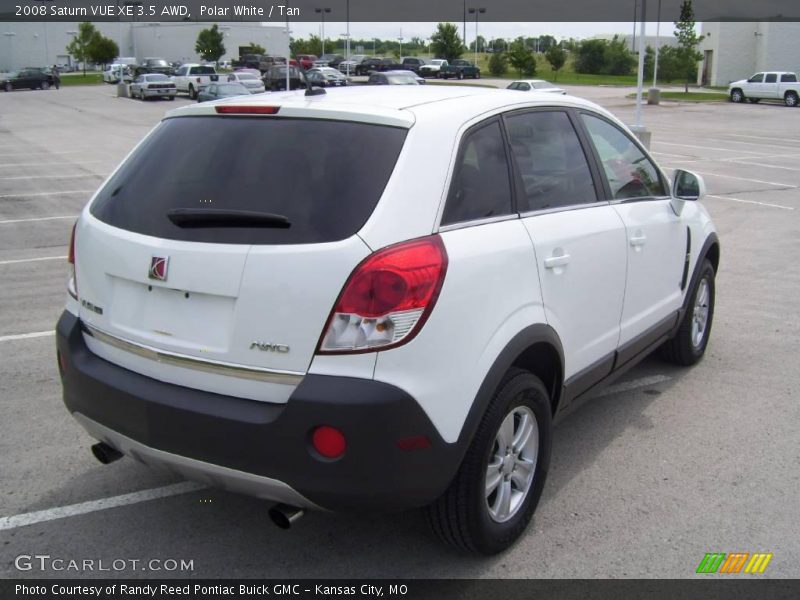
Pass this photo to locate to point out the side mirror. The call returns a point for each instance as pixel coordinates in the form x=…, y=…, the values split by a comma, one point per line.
x=687, y=186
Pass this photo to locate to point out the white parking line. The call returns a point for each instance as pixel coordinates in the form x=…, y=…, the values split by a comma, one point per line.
x=709, y=148
x=634, y=384
x=763, y=137
x=47, y=194
x=26, y=336
x=58, y=164
x=775, y=183
x=728, y=198
x=49, y=177
x=42, y=152
x=25, y=260
x=73, y=510
x=36, y=219
x=744, y=161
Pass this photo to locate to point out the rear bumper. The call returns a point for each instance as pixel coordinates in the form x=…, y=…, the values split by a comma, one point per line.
x=259, y=448
x=164, y=92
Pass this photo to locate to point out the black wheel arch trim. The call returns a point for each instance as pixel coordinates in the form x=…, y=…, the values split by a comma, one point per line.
x=710, y=245
x=533, y=334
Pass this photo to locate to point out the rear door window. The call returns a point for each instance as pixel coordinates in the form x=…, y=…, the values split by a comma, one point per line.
x=771, y=78
x=550, y=161
x=481, y=185
x=788, y=78
x=310, y=171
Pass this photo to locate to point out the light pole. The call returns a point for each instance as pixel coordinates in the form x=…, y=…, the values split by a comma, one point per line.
x=347, y=51
x=400, y=39
x=476, y=12
x=374, y=42
x=72, y=35
x=133, y=31
x=321, y=12
x=9, y=36
x=658, y=29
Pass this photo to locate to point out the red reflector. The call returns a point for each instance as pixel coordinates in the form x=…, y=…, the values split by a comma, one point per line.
x=418, y=442
x=248, y=110
x=328, y=441
x=62, y=361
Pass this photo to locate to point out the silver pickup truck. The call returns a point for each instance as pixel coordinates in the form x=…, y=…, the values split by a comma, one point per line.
x=192, y=79
x=770, y=85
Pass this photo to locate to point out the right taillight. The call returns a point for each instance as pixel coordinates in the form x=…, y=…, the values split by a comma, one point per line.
x=387, y=298
x=72, y=283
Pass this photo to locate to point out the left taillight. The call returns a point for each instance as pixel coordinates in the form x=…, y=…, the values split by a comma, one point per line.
x=72, y=283
x=387, y=298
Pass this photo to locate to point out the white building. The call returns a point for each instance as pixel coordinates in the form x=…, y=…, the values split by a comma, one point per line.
x=736, y=50
x=31, y=44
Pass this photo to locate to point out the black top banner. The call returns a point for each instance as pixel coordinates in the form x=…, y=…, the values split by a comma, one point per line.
x=394, y=10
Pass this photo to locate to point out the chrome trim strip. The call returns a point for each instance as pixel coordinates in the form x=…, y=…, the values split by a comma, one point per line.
x=565, y=208
x=188, y=362
x=218, y=476
x=476, y=222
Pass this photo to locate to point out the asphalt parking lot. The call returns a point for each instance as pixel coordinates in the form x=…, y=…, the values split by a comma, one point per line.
x=653, y=473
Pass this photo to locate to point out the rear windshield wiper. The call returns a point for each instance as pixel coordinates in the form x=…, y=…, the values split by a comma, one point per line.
x=220, y=217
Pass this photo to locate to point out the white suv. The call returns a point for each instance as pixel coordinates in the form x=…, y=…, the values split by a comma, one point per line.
x=388, y=316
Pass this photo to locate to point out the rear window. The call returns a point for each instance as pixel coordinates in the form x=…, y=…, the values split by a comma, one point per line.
x=789, y=78
x=311, y=171
x=202, y=71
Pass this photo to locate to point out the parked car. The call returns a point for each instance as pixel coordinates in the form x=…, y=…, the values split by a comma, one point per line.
x=153, y=65
x=368, y=65
x=412, y=63
x=326, y=77
x=216, y=91
x=252, y=82
x=153, y=85
x=432, y=67
x=267, y=62
x=395, y=78
x=255, y=72
x=247, y=61
x=535, y=85
x=306, y=60
x=460, y=68
x=275, y=78
x=348, y=67
x=772, y=85
x=192, y=78
x=115, y=72
x=297, y=323
x=34, y=79
x=389, y=64
x=329, y=60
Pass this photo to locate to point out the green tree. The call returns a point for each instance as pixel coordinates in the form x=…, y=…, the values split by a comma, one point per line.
x=556, y=56
x=591, y=57
x=498, y=64
x=102, y=50
x=78, y=48
x=687, y=56
x=256, y=49
x=209, y=44
x=521, y=58
x=481, y=44
x=498, y=45
x=546, y=42
x=446, y=43
x=617, y=59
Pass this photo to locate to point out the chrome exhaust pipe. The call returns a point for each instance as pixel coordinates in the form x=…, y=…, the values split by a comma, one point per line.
x=105, y=453
x=284, y=515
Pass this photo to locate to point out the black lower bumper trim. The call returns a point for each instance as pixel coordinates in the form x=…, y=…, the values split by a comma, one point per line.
x=272, y=440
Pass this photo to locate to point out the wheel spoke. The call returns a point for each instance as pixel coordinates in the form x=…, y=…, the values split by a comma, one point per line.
x=505, y=436
x=493, y=479
x=502, y=503
x=522, y=474
x=523, y=435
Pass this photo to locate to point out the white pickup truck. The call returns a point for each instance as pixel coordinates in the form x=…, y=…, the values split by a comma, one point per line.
x=771, y=85
x=192, y=79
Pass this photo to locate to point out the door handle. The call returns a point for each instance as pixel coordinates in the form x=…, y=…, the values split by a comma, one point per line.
x=556, y=261
x=638, y=240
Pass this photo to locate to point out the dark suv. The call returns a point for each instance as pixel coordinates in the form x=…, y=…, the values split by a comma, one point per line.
x=275, y=78
x=154, y=65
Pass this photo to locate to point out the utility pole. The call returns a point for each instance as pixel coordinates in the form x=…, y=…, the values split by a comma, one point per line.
x=322, y=11
x=658, y=40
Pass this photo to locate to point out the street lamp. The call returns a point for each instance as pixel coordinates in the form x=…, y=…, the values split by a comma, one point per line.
x=400, y=39
x=322, y=11
x=476, y=12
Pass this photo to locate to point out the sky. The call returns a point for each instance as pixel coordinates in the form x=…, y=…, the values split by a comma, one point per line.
x=488, y=30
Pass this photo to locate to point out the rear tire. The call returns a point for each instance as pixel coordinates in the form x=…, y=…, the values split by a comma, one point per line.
x=45, y=85
x=9, y=87
x=192, y=92
x=790, y=99
x=689, y=343
x=737, y=95
x=512, y=446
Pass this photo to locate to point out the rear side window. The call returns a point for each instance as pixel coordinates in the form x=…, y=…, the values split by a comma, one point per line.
x=629, y=172
x=310, y=171
x=202, y=71
x=550, y=161
x=788, y=78
x=771, y=78
x=481, y=186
